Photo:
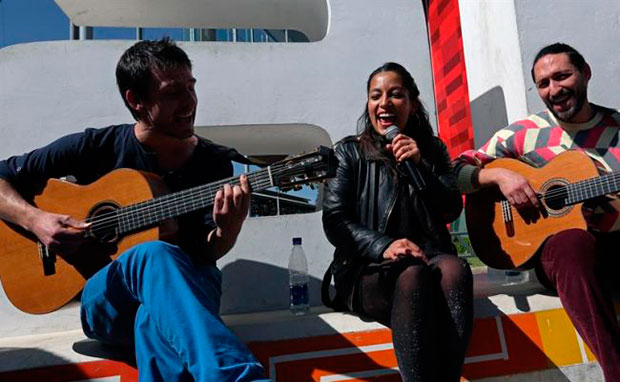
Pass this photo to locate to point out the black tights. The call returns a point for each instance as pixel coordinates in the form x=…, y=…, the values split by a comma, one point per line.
x=429, y=309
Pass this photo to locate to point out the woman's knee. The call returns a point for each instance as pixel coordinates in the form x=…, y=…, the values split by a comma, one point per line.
x=413, y=278
x=453, y=270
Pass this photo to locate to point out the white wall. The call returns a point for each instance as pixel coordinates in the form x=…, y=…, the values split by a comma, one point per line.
x=592, y=27
x=493, y=61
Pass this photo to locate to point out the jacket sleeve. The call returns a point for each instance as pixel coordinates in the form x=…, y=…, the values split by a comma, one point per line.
x=340, y=220
x=442, y=192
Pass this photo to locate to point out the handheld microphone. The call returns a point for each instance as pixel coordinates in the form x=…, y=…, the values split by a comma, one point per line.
x=407, y=166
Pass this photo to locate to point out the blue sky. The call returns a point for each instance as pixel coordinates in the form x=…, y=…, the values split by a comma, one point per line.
x=24, y=21
x=31, y=20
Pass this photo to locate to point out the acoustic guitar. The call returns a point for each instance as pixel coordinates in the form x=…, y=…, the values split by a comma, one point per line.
x=125, y=207
x=504, y=238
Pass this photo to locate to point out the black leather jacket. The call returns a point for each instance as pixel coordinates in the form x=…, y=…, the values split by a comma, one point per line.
x=359, y=201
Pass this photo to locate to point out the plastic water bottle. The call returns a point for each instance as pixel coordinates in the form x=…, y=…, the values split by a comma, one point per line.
x=298, y=279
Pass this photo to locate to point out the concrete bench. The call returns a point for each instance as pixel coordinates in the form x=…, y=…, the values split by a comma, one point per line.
x=522, y=332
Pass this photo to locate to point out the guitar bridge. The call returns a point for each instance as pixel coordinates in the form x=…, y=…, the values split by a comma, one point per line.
x=48, y=259
x=508, y=218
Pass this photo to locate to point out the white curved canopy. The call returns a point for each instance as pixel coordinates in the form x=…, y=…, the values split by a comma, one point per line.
x=264, y=140
x=310, y=17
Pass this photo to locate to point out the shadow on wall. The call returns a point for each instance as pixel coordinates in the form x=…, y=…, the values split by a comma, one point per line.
x=251, y=286
x=488, y=114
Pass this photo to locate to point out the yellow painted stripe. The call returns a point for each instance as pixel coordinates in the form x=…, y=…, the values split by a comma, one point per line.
x=558, y=337
x=589, y=353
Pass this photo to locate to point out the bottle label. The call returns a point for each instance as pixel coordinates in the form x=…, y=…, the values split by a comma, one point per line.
x=299, y=294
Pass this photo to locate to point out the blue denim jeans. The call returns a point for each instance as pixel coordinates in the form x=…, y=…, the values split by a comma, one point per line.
x=167, y=304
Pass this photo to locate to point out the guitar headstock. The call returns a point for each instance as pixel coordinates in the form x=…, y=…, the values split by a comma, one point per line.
x=306, y=168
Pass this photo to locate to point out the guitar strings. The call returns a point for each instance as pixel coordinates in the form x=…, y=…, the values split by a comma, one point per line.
x=134, y=217
x=169, y=200
x=583, y=186
x=199, y=195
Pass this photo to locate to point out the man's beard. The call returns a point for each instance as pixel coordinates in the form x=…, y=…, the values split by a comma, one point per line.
x=580, y=96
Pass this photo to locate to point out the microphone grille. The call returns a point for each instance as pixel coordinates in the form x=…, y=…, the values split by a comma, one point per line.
x=391, y=132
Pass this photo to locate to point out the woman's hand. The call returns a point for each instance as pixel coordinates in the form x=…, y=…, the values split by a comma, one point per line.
x=403, y=248
x=403, y=148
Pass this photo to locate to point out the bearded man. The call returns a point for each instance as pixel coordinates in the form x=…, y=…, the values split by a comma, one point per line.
x=572, y=262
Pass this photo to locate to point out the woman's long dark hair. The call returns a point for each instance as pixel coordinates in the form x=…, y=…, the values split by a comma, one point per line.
x=418, y=126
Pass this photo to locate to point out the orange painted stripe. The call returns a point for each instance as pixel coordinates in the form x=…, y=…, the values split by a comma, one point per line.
x=484, y=328
x=525, y=352
x=74, y=372
x=266, y=349
x=318, y=367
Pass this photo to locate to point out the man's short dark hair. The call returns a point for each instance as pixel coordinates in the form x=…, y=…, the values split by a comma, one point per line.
x=135, y=68
x=575, y=57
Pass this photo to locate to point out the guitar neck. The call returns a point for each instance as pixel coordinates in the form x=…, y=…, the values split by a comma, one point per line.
x=592, y=188
x=149, y=213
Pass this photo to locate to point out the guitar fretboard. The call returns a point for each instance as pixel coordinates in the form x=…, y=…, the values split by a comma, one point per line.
x=139, y=216
x=592, y=188
x=146, y=214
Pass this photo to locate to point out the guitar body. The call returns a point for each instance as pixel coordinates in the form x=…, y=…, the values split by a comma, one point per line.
x=21, y=266
x=507, y=244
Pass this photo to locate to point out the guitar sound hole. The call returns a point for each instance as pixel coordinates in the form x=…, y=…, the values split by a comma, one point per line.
x=555, y=197
x=105, y=222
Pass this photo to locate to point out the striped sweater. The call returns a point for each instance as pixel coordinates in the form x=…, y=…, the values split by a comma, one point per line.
x=539, y=138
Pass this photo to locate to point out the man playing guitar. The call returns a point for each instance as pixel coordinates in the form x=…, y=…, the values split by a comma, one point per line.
x=570, y=261
x=159, y=297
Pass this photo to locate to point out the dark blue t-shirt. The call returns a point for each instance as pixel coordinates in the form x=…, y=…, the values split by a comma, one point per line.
x=89, y=155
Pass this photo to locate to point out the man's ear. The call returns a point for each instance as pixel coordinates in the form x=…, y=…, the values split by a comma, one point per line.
x=134, y=101
x=587, y=72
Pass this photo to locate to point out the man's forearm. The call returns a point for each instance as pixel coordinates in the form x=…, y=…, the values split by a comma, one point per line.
x=14, y=208
x=490, y=176
x=220, y=243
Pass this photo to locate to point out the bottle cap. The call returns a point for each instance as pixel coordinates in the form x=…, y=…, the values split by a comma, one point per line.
x=296, y=240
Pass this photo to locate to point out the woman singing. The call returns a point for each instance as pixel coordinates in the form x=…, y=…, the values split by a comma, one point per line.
x=394, y=260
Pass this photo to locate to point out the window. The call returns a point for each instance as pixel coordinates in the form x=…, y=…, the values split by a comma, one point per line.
x=274, y=202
